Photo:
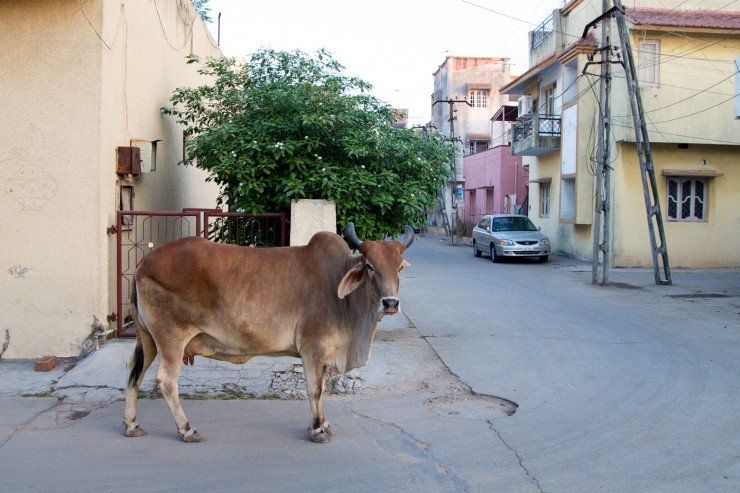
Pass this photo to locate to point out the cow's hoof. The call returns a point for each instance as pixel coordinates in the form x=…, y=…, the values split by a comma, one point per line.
x=195, y=437
x=135, y=432
x=328, y=430
x=319, y=436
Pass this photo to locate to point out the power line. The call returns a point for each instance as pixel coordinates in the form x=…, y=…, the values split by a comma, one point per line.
x=118, y=26
x=187, y=35
x=702, y=91
x=719, y=141
x=699, y=111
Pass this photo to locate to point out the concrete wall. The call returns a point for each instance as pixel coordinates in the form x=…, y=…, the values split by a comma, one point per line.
x=50, y=237
x=308, y=217
x=68, y=100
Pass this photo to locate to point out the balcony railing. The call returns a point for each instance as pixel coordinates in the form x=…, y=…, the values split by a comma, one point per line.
x=540, y=33
x=536, y=134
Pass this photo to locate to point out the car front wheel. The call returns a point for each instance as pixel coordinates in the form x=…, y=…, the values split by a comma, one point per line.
x=476, y=252
x=543, y=258
x=495, y=258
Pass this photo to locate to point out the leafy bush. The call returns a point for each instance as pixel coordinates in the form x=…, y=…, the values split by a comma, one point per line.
x=464, y=228
x=287, y=125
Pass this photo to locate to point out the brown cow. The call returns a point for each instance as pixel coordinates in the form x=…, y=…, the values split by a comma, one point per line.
x=318, y=302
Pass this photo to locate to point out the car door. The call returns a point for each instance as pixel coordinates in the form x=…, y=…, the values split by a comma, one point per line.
x=478, y=233
x=485, y=240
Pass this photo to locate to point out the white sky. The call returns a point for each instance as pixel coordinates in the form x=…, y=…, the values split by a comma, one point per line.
x=395, y=45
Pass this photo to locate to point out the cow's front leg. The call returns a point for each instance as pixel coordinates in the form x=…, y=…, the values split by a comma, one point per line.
x=319, y=430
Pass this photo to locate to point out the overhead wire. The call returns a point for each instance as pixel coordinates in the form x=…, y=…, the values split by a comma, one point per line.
x=701, y=91
x=188, y=35
x=100, y=36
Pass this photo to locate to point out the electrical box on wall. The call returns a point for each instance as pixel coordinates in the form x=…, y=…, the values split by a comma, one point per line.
x=128, y=161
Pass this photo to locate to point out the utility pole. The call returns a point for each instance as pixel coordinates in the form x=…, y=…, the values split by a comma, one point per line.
x=642, y=142
x=451, y=120
x=602, y=242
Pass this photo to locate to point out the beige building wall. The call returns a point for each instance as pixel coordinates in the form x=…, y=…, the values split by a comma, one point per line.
x=709, y=243
x=68, y=99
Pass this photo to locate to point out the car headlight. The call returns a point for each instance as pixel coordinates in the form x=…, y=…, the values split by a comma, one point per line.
x=505, y=242
x=544, y=241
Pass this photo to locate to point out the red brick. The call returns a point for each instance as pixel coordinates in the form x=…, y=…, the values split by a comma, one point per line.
x=46, y=363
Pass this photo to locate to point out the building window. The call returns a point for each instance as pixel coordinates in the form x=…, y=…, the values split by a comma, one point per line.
x=548, y=101
x=648, y=65
x=687, y=199
x=567, y=199
x=489, y=201
x=478, y=98
x=472, y=202
x=544, y=200
x=477, y=146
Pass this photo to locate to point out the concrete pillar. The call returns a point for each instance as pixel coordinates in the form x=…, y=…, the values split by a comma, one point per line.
x=309, y=216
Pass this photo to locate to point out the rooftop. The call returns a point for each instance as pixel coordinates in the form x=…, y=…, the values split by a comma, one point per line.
x=711, y=19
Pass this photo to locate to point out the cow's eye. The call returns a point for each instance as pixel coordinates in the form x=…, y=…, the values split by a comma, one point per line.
x=369, y=267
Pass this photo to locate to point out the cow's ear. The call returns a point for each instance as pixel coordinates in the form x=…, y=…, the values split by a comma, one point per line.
x=351, y=280
x=404, y=264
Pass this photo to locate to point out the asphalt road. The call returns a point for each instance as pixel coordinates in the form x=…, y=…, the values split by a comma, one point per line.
x=631, y=387
x=619, y=388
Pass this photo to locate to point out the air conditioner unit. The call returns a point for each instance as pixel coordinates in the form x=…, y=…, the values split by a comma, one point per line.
x=524, y=106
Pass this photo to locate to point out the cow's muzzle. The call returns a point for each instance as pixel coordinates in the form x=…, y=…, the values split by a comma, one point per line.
x=391, y=304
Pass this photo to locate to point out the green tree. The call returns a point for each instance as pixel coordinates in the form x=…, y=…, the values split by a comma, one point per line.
x=201, y=6
x=287, y=125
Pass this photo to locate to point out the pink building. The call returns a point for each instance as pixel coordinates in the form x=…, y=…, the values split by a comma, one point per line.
x=495, y=183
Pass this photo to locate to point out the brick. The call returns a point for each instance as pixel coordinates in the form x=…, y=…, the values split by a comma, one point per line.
x=46, y=363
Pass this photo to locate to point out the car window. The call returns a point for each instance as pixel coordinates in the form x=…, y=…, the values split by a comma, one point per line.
x=482, y=222
x=513, y=223
x=486, y=223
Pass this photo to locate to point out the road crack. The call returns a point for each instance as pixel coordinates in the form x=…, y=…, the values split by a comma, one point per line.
x=421, y=445
x=27, y=424
x=532, y=479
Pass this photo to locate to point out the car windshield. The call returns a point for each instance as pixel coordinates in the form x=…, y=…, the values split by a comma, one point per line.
x=512, y=224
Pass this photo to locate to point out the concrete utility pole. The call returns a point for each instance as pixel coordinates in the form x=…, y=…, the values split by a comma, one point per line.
x=453, y=217
x=599, y=273
x=601, y=245
x=644, y=154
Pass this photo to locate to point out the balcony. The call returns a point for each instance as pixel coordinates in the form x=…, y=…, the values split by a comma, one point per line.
x=535, y=135
x=546, y=38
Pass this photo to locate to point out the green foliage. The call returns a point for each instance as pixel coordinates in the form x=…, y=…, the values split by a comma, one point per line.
x=201, y=6
x=287, y=125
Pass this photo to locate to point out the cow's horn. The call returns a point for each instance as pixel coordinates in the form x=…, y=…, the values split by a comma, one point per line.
x=407, y=238
x=351, y=237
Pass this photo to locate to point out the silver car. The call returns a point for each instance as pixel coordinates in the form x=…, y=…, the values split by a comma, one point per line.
x=509, y=235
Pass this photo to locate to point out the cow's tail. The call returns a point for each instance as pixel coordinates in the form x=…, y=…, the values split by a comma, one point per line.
x=137, y=359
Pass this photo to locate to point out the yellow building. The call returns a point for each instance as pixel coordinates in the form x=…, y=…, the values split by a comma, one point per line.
x=78, y=79
x=688, y=77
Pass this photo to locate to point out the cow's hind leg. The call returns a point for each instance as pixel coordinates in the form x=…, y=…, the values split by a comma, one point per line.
x=144, y=354
x=167, y=376
x=319, y=430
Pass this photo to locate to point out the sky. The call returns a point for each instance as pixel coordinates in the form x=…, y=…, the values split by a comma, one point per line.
x=396, y=45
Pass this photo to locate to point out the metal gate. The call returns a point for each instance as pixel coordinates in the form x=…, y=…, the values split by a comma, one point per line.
x=139, y=232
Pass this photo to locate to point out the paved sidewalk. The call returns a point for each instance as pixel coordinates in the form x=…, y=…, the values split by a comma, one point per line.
x=400, y=359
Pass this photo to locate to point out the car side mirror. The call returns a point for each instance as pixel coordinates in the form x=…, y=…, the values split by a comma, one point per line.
x=539, y=228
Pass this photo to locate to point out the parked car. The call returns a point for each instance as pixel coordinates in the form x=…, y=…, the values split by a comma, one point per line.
x=509, y=235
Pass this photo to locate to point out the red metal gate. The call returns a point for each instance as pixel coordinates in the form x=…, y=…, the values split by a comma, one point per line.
x=139, y=232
